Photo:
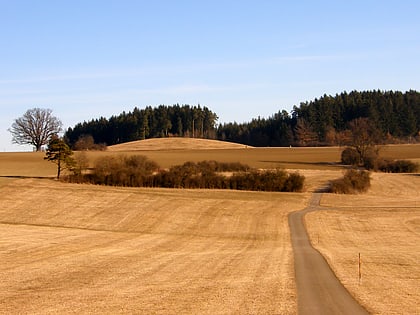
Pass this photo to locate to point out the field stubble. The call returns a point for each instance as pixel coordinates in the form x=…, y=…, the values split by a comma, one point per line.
x=88, y=249
x=383, y=226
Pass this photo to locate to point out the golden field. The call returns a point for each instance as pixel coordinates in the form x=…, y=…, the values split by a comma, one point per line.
x=69, y=248
x=384, y=227
x=90, y=249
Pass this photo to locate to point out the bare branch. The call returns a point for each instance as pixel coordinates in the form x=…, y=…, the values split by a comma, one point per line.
x=35, y=127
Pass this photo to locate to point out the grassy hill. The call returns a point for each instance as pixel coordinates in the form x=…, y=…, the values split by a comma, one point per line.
x=174, y=144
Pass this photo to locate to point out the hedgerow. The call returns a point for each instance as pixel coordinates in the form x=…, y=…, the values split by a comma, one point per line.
x=399, y=166
x=374, y=162
x=139, y=171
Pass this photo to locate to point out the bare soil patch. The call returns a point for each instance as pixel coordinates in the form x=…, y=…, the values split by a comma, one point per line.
x=383, y=226
x=90, y=249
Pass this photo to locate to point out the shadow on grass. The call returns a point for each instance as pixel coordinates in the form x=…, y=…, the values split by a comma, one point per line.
x=333, y=164
x=412, y=174
x=23, y=177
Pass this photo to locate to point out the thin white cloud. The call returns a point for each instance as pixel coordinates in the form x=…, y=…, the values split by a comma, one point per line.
x=174, y=69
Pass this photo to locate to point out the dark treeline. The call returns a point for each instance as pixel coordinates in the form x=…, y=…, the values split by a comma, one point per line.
x=161, y=121
x=395, y=116
x=325, y=121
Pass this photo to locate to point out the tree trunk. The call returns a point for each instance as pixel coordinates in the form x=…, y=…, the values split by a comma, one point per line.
x=58, y=168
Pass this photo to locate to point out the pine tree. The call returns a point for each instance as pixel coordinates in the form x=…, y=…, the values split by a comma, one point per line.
x=59, y=153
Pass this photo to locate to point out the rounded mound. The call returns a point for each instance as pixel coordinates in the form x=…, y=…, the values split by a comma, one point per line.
x=174, y=144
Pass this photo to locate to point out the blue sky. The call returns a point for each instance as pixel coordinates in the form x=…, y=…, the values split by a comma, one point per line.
x=242, y=59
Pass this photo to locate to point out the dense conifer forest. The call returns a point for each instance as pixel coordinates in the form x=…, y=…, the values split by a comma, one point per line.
x=140, y=124
x=394, y=115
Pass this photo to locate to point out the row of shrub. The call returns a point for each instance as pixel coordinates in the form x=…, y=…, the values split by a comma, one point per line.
x=372, y=161
x=139, y=171
x=269, y=180
x=398, y=166
x=353, y=181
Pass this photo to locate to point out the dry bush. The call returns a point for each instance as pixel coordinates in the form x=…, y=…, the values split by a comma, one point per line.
x=372, y=160
x=353, y=181
x=80, y=167
x=138, y=171
x=205, y=174
x=86, y=142
x=223, y=166
x=350, y=156
x=131, y=171
x=399, y=166
x=269, y=180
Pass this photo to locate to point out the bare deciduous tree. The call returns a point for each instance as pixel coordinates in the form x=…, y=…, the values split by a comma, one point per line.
x=35, y=127
x=364, y=136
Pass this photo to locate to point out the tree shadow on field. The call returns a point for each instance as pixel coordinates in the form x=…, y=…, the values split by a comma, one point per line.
x=23, y=177
x=326, y=188
x=413, y=174
x=332, y=164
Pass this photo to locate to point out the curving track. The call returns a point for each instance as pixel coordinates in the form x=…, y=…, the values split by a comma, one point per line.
x=318, y=289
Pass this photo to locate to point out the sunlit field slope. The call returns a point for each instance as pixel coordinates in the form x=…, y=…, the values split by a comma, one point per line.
x=176, y=151
x=384, y=227
x=91, y=249
x=68, y=248
x=182, y=150
x=175, y=144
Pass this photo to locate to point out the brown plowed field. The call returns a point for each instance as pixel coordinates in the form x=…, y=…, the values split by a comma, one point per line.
x=89, y=249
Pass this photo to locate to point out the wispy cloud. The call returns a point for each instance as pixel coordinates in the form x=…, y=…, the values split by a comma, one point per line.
x=175, y=69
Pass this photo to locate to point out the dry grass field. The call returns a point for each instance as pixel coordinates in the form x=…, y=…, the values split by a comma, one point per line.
x=168, y=153
x=90, y=249
x=384, y=227
x=68, y=248
x=174, y=144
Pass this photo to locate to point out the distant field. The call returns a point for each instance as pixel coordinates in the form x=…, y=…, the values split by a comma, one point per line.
x=68, y=248
x=325, y=158
x=174, y=143
x=32, y=164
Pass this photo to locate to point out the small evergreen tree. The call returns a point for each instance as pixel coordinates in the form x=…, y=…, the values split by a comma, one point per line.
x=59, y=153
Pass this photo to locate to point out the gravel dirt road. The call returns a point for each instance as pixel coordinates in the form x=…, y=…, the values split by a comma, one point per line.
x=318, y=289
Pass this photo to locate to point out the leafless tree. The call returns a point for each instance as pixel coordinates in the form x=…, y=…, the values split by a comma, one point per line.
x=35, y=127
x=364, y=136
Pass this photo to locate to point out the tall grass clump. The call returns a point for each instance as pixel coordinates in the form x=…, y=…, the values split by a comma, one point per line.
x=354, y=181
